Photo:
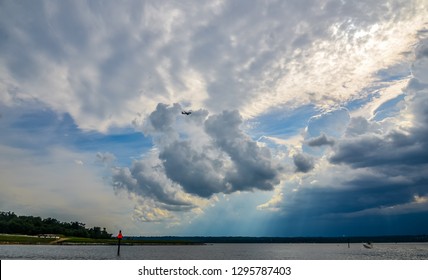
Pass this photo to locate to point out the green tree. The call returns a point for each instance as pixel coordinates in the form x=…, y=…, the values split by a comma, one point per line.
x=11, y=223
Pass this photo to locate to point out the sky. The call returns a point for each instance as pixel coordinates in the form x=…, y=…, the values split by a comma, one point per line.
x=308, y=118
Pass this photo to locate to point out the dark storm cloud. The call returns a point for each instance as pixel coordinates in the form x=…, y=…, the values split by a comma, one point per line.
x=369, y=200
x=253, y=164
x=198, y=155
x=194, y=171
x=143, y=180
x=352, y=196
x=321, y=140
x=372, y=150
x=303, y=163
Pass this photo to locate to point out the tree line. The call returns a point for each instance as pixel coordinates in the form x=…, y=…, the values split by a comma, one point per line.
x=29, y=225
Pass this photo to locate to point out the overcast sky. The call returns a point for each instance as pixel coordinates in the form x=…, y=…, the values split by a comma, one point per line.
x=308, y=118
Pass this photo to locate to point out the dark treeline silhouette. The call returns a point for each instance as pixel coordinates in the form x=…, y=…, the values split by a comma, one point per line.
x=244, y=239
x=29, y=225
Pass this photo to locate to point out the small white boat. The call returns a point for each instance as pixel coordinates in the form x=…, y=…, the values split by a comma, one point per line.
x=368, y=245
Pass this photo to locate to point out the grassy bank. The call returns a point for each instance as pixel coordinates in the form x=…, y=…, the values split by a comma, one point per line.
x=24, y=239
x=35, y=240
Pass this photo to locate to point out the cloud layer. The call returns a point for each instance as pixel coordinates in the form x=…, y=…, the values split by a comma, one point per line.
x=104, y=63
x=195, y=157
x=306, y=114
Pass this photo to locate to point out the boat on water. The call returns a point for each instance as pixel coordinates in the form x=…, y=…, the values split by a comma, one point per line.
x=368, y=245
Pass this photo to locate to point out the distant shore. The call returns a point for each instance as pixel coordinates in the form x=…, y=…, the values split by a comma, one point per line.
x=291, y=240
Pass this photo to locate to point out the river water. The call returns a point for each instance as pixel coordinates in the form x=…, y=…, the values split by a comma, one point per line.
x=384, y=251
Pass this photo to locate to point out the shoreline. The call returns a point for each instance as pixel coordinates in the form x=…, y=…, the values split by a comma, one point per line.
x=17, y=239
x=12, y=239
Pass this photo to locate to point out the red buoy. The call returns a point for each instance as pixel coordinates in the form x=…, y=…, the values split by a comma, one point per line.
x=119, y=237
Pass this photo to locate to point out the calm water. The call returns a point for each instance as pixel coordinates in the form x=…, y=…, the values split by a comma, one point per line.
x=388, y=251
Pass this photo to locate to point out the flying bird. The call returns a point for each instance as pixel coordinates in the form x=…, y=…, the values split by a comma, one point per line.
x=186, y=112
